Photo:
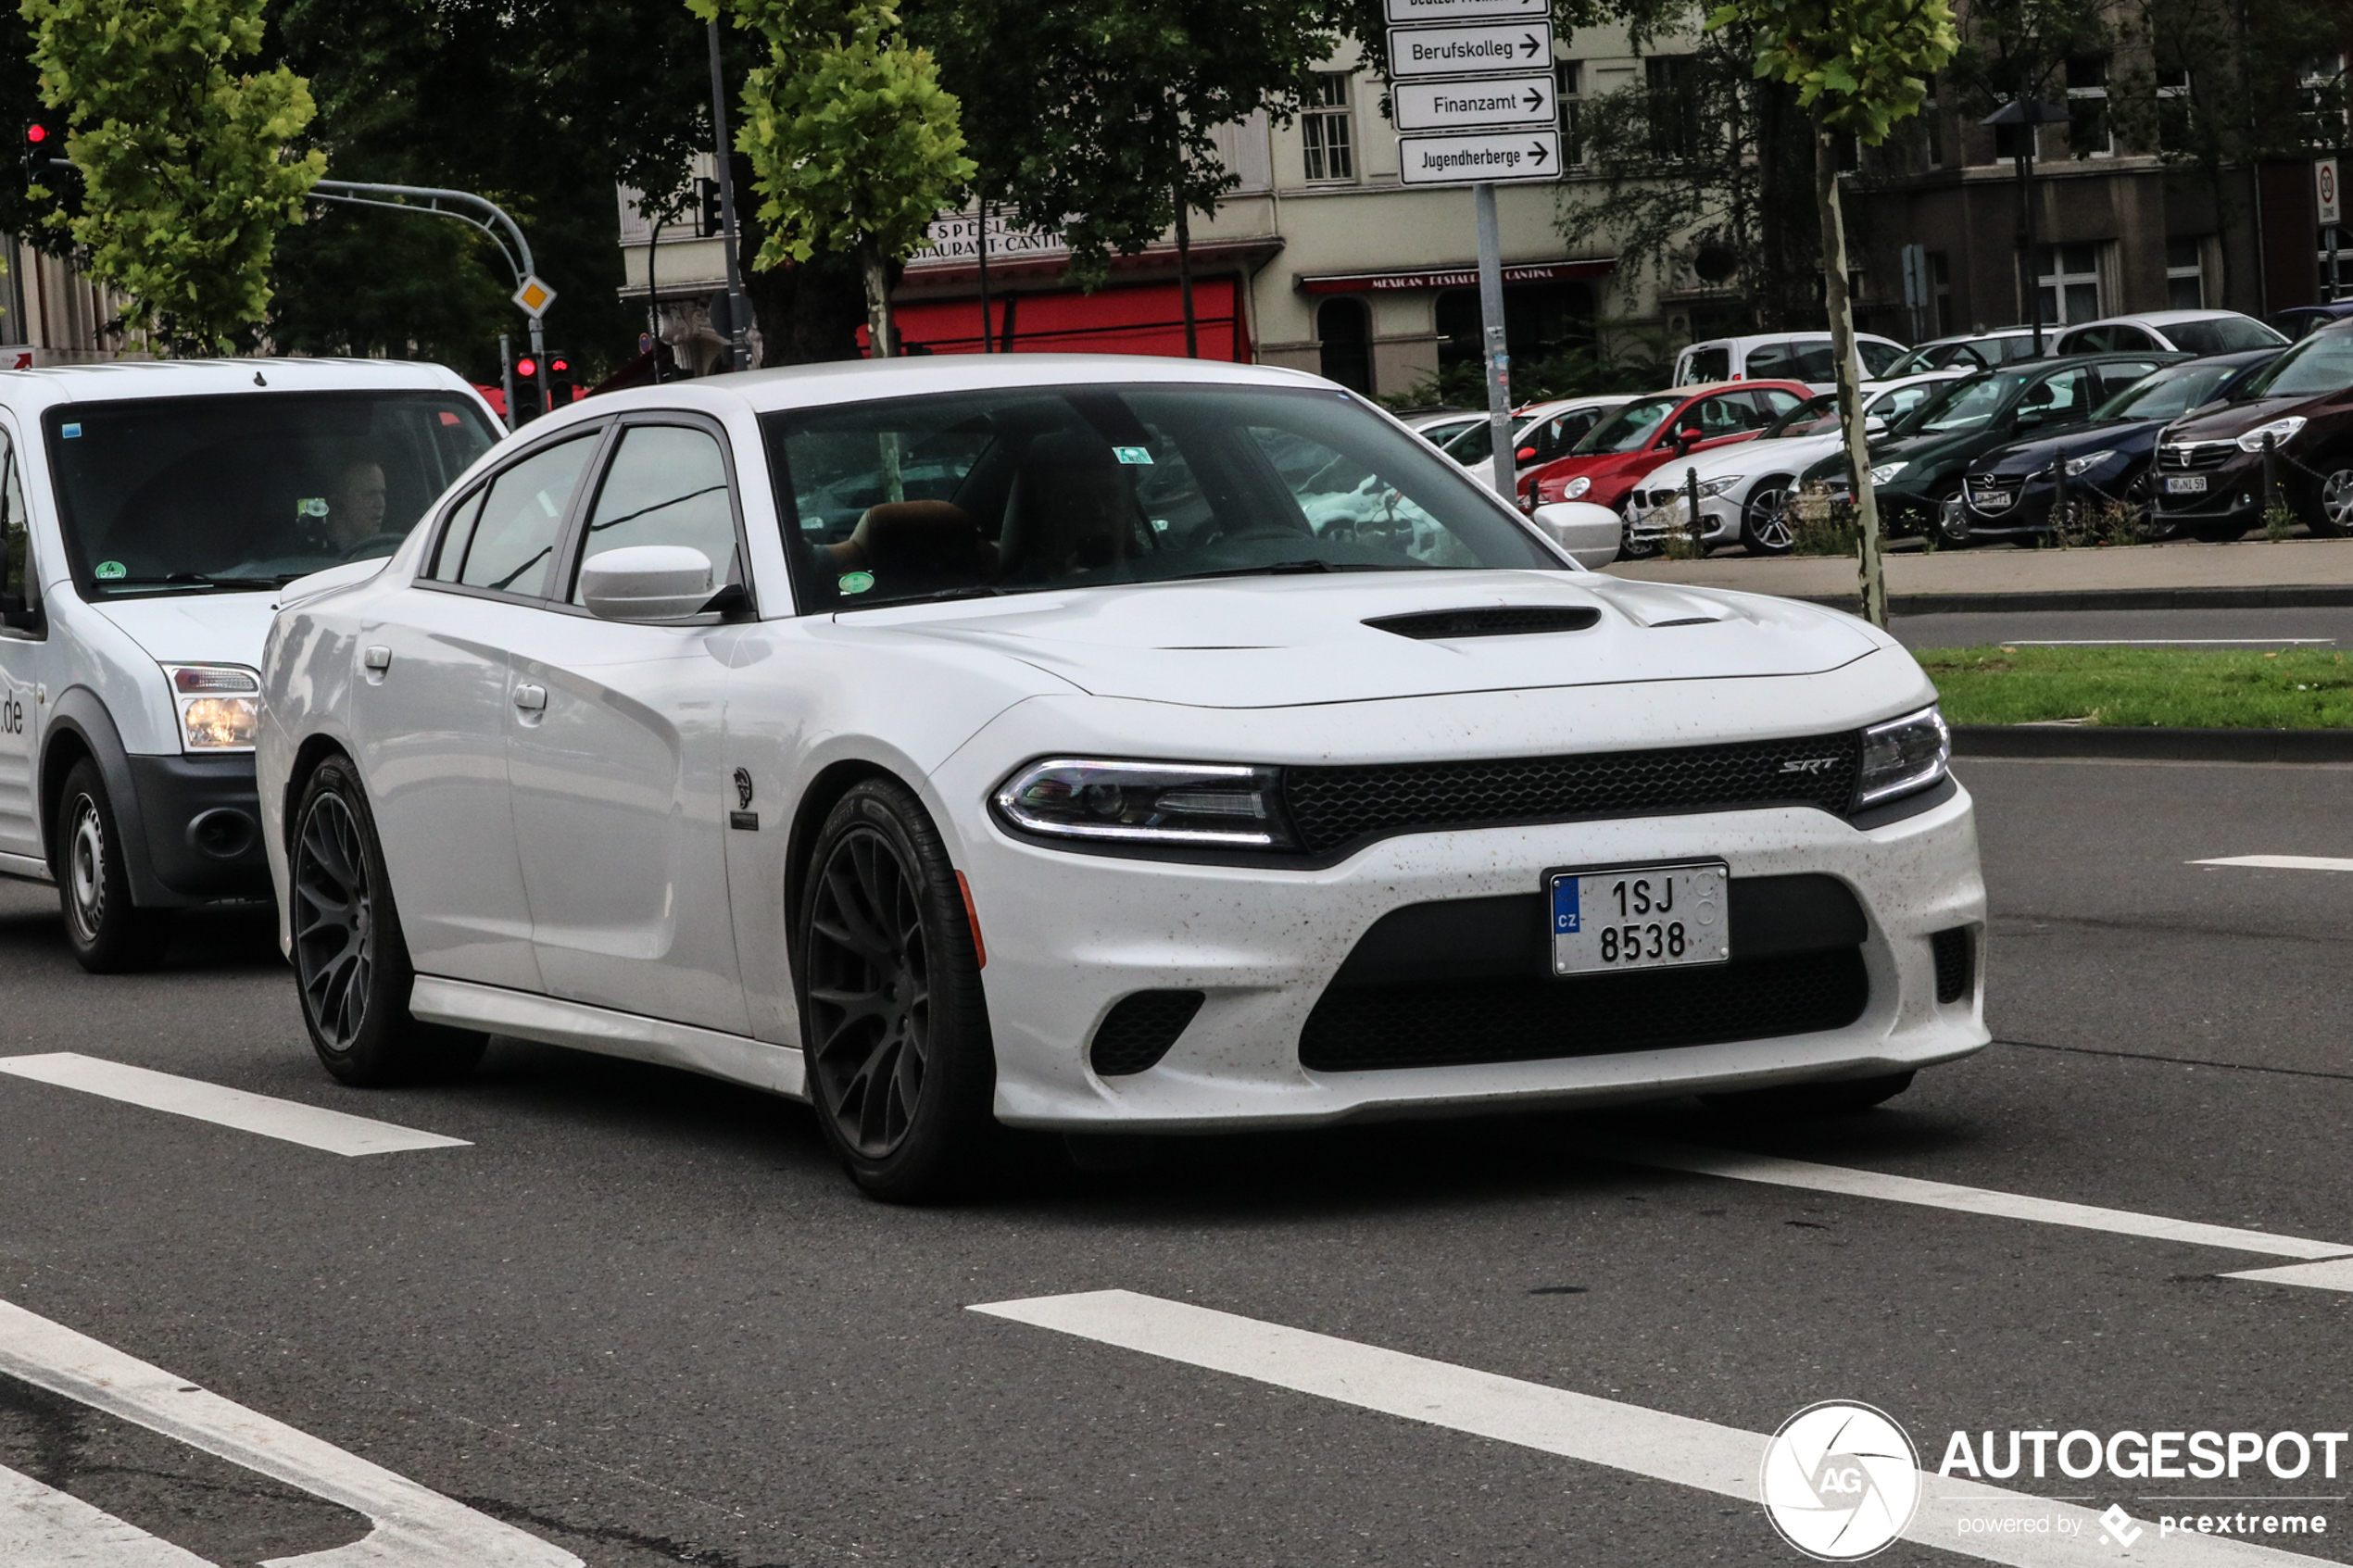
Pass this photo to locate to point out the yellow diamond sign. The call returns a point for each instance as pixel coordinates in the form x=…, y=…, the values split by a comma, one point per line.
x=535, y=296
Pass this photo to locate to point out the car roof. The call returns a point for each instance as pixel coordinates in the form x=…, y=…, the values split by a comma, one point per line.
x=118, y=380
x=2162, y=318
x=1779, y=337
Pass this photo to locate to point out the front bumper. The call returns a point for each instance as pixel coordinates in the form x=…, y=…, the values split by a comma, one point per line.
x=2233, y=490
x=1071, y=936
x=202, y=817
x=1719, y=521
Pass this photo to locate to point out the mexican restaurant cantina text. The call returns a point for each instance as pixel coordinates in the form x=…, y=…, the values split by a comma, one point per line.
x=2132, y=1455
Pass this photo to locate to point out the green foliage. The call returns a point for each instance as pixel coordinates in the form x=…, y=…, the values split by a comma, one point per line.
x=184, y=170
x=1641, y=363
x=2298, y=688
x=1866, y=61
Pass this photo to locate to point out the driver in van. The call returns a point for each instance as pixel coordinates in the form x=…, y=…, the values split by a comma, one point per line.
x=355, y=503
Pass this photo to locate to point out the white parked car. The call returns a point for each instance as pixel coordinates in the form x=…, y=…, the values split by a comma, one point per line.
x=1745, y=488
x=1802, y=357
x=1092, y=743
x=1541, y=432
x=1971, y=351
x=2183, y=332
x=148, y=515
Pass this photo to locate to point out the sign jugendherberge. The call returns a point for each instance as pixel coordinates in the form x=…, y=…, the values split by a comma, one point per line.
x=1470, y=49
x=1505, y=100
x=1476, y=157
x=1412, y=13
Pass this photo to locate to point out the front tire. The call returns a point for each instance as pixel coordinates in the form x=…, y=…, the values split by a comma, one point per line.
x=109, y=934
x=1765, y=529
x=351, y=961
x=2330, y=516
x=893, y=1023
x=1949, y=514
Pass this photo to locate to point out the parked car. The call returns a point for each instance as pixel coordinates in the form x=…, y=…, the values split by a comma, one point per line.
x=2298, y=321
x=2011, y=490
x=150, y=512
x=1920, y=463
x=1802, y=357
x=2210, y=466
x=1648, y=431
x=1970, y=351
x=2185, y=332
x=1439, y=426
x=1541, y=432
x=1745, y=488
x=1090, y=783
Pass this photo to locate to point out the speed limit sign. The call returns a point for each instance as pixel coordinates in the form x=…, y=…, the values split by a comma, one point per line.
x=2324, y=189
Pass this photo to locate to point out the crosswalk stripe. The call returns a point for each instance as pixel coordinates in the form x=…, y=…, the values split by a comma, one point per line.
x=2281, y=862
x=1739, y=1167
x=42, y=1527
x=2335, y=1274
x=334, y=1131
x=1686, y=1453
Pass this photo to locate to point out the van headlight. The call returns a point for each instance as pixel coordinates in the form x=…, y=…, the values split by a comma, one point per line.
x=1902, y=756
x=1112, y=802
x=219, y=706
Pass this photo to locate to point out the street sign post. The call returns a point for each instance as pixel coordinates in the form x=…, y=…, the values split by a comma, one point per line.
x=1414, y=13
x=1479, y=158
x=1449, y=106
x=2330, y=201
x=1469, y=49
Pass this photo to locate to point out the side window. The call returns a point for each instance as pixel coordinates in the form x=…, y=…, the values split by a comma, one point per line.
x=667, y=485
x=18, y=580
x=2057, y=398
x=1812, y=362
x=1728, y=415
x=1775, y=401
x=2114, y=379
x=1768, y=360
x=1709, y=365
x=2130, y=339
x=1878, y=357
x=508, y=542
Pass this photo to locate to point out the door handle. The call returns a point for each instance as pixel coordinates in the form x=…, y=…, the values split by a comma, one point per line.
x=530, y=698
x=377, y=658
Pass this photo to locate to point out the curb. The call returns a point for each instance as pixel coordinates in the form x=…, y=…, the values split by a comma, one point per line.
x=2095, y=741
x=2300, y=596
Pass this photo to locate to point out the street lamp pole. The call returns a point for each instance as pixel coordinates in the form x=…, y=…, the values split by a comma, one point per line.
x=2024, y=117
x=739, y=318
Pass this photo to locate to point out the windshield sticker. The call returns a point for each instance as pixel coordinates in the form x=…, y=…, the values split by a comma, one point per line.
x=69, y=432
x=311, y=506
x=110, y=571
x=855, y=581
x=1141, y=455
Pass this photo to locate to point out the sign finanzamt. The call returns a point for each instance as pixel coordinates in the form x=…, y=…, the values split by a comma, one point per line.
x=1476, y=157
x=1445, y=106
x=1410, y=13
x=1470, y=49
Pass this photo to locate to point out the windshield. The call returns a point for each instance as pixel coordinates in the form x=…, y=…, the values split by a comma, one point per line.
x=2320, y=364
x=2166, y=393
x=2223, y=335
x=1804, y=418
x=1962, y=405
x=1627, y=429
x=1026, y=489
x=189, y=495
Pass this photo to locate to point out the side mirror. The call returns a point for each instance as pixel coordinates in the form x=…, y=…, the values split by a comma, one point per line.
x=1687, y=439
x=646, y=583
x=1589, y=534
x=1526, y=453
x=1873, y=428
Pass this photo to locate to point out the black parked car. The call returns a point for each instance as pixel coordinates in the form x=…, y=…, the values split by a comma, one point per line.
x=2301, y=321
x=1918, y=465
x=2210, y=466
x=2012, y=489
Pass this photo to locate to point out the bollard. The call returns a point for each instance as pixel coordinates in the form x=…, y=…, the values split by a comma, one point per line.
x=2270, y=476
x=1690, y=504
x=2060, y=520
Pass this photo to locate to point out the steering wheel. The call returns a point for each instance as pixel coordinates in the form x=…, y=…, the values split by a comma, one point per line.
x=374, y=544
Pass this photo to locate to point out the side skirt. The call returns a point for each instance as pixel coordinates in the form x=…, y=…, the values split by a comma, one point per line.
x=463, y=1004
x=25, y=866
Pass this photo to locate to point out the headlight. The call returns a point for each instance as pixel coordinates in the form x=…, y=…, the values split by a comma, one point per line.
x=1886, y=471
x=2078, y=467
x=1902, y=755
x=1147, y=803
x=1717, y=487
x=1575, y=487
x=2278, y=430
x=220, y=705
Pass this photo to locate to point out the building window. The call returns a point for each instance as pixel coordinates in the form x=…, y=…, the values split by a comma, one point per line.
x=2088, y=134
x=2174, y=109
x=2322, y=79
x=1933, y=122
x=1940, y=283
x=1570, y=76
x=2342, y=284
x=1344, y=347
x=2185, y=274
x=2068, y=278
x=1673, y=106
x=1324, y=129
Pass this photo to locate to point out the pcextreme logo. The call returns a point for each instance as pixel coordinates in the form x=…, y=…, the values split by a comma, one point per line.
x=1841, y=1481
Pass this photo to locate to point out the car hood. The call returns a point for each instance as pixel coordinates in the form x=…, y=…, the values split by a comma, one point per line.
x=218, y=627
x=2033, y=457
x=1276, y=642
x=2239, y=418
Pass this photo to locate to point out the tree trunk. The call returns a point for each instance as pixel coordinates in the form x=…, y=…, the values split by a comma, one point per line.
x=1850, y=399
x=870, y=260
x=1185, y=273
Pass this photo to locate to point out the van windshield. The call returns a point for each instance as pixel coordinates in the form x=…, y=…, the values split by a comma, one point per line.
x=195, y=494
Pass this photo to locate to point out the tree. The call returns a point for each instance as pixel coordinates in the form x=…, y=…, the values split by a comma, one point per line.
x=854, y=145
x=1860, y=65
x=184, y=167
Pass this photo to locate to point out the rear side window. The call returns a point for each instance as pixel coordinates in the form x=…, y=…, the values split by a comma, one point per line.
x=1709, y=365
x=1769, y=359
x=667, y=485
x=1776, y=401
x=1812, y=362
x=2222, y=334
x=506, y=540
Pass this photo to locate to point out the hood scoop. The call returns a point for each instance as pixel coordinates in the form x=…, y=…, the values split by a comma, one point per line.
x=1488, y=621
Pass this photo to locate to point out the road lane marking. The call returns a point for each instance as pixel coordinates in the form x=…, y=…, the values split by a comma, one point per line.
x=1848, y=1182
x=2281, y=862
x=42, y=1527
x=1675, y=1448
x=414, y=1527
x=2335, y=1274
x=334, y=1131
x=2168, y=642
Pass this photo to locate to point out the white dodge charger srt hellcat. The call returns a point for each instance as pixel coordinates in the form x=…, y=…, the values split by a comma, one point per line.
x=1091, y=743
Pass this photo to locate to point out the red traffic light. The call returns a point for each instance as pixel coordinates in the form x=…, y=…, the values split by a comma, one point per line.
x=560, y=366
x=36, y=134
x=526, y=367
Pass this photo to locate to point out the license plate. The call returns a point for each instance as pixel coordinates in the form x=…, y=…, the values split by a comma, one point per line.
x=1989, y=500
x=2185, y=484
x=1640, y=917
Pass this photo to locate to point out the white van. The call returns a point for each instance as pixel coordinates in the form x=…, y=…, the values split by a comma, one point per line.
x=150, y=513
x=1779, y=356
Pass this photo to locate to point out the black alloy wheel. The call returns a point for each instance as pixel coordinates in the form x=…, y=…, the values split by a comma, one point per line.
x=108, y=933
x=351, y=961
x=895, y=1028
x=1765, y=528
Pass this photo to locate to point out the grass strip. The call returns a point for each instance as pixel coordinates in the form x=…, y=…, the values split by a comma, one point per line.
x=2188, y=688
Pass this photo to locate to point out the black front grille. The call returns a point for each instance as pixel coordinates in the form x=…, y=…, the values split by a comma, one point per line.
x=1955, y=963
x=1357, y=1029
x=2181, y=456
x=1139, y=1030
x=1332, y=807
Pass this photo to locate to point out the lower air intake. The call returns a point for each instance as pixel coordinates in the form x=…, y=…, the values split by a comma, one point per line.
x=1956, y=952
x=1139, y=1030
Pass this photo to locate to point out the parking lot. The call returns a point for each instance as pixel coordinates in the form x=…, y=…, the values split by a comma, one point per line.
x=638, y=1317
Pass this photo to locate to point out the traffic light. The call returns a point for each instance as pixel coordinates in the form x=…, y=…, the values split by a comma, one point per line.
x=40, y=144
x=709, y=222
x=529, y=402
x=560, y=386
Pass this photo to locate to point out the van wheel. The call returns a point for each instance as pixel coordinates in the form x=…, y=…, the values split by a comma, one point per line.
x=351, y=964
x=109, y=934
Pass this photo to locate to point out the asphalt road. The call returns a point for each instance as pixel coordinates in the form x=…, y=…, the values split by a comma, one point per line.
x=642, y=1317
x=2327, y=626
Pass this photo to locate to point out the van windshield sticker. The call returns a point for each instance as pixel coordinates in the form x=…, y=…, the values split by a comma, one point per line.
x=69, y=432
x=109, y=571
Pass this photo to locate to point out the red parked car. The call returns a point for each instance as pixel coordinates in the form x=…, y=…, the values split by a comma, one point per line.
x=1655, y=428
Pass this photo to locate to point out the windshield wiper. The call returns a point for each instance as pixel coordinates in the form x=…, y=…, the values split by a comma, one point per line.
x=195, y=580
